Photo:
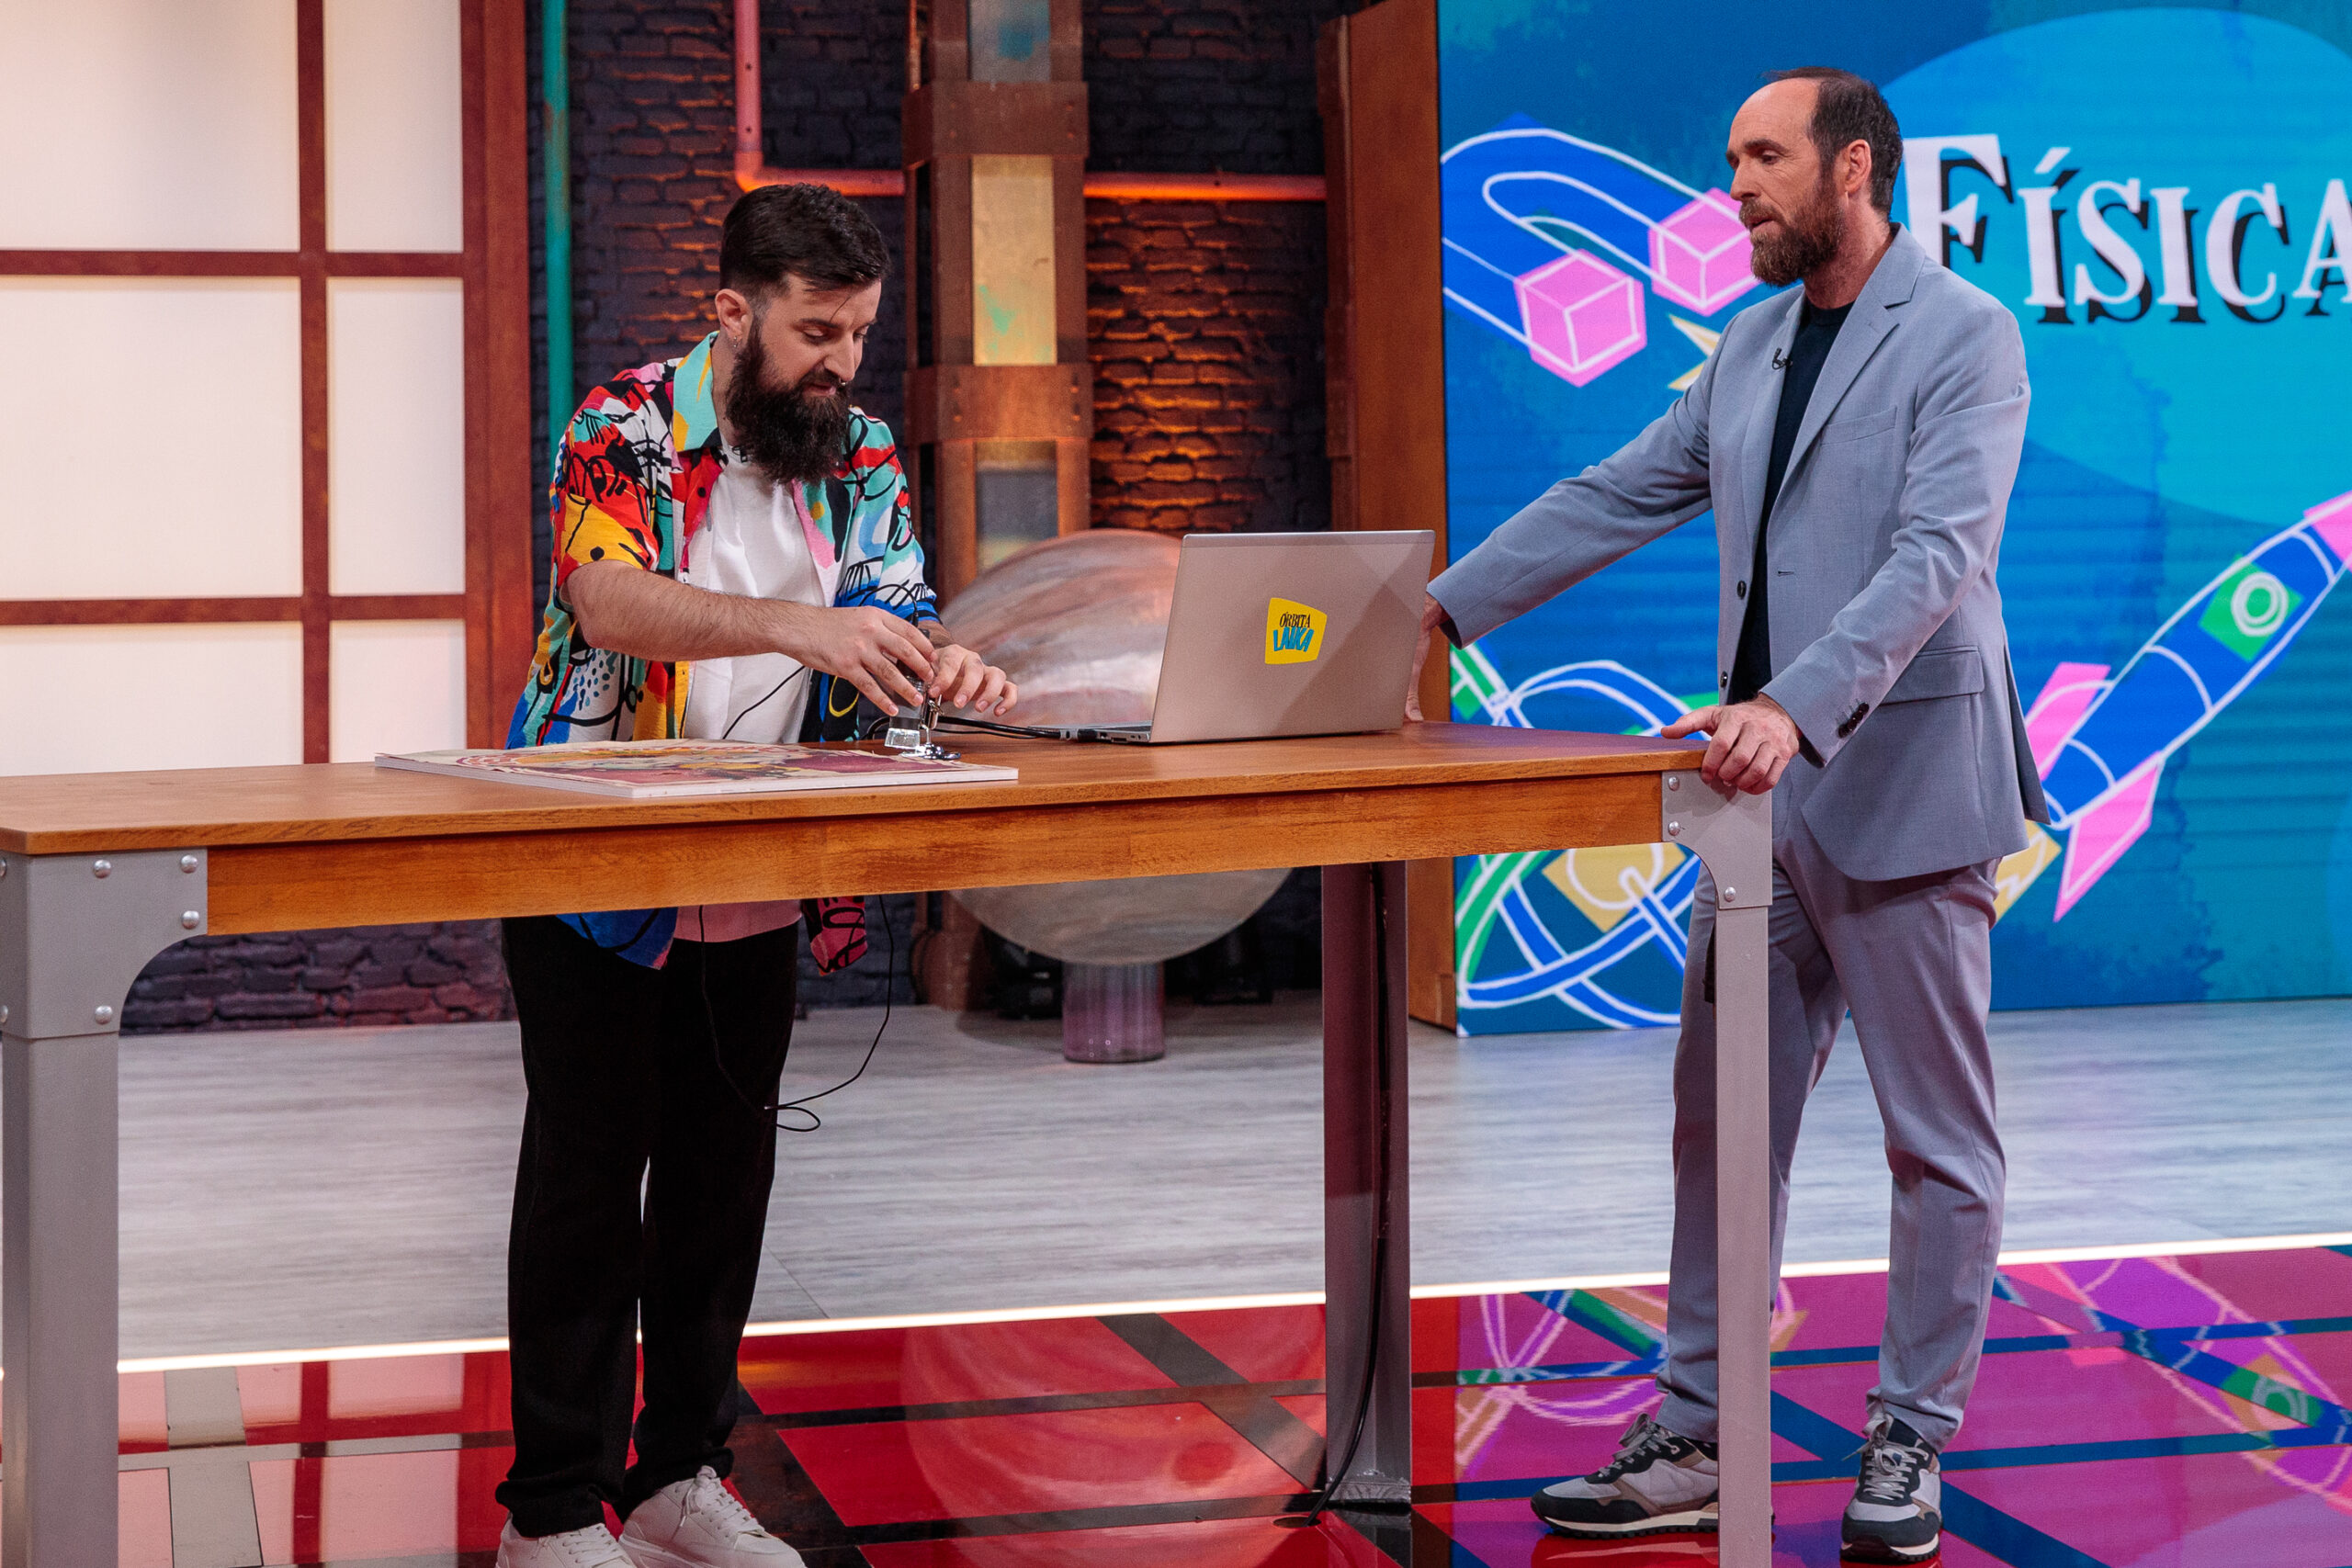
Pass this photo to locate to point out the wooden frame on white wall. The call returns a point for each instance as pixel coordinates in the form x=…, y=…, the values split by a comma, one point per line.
x=489, y=593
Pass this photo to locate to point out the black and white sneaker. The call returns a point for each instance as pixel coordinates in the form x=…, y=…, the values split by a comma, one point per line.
x=1897, y=1512
x=1657, y=1484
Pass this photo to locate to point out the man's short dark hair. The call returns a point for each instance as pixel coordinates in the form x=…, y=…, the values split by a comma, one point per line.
x=809, y=232
x=1850, y=110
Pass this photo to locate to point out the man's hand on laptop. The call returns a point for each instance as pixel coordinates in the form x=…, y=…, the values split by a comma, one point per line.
x=1751, y=746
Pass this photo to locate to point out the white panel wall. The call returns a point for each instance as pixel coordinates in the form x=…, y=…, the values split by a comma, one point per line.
x=167, y=423
x=395, y=686
x=92, y=699
x=148, y=125
x=396, y=432
x=395, y=131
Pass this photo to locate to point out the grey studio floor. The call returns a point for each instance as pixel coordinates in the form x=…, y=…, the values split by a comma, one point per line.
x=296, y=1189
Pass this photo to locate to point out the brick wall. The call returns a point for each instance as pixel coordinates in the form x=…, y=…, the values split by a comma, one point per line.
x=1223, y=85
x=1205, y=325
x=1206, y=322
x=426, y=974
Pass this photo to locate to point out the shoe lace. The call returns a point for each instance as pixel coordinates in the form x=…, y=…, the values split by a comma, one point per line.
x=1890, y=1471
x=1644, y=1441
x=710, y=1496
x=590, y=1546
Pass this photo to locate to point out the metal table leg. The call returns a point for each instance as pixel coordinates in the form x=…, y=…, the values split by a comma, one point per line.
x=1732, y=835
x=1367, y=1247
x=74, y=932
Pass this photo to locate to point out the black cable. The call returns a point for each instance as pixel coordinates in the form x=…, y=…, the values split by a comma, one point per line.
x=1334, y=1474
x=729, y=734
x=800, y=1107
x=1024, y=731
x=1037, y=732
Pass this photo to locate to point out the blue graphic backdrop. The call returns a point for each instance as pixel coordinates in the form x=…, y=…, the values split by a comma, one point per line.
x=2160, y=196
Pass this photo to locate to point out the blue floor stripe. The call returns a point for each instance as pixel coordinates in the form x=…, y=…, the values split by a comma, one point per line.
x=1562, y=1371
x=2008, y=1345
x=2009, y=1538
x=2288, y=1325
x=1570, y=1304
x=2169, y=1349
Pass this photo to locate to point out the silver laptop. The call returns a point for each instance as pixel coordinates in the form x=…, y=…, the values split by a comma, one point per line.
x=1283, y=633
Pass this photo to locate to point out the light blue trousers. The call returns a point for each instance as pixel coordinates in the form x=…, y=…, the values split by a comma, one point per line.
x=1911, y=960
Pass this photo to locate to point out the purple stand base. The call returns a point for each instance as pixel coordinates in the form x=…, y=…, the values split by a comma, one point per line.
x=1114, y=1012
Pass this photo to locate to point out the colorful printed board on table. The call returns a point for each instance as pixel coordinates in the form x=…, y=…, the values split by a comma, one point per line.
x=655, y=770
x=2160, y=196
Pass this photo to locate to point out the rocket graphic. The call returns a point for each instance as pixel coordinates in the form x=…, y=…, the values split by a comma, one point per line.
x=2101, y=745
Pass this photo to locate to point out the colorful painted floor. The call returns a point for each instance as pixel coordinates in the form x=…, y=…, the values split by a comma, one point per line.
x=2169, y=1411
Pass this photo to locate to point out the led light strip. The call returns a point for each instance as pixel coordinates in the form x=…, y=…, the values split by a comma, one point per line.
x=1232, y=1303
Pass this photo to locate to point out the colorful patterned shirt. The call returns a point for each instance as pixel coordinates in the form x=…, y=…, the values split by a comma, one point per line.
x=632, y=483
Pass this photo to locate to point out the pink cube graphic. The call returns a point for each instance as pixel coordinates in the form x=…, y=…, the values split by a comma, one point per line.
x=1582, y=316
x=1699, y=256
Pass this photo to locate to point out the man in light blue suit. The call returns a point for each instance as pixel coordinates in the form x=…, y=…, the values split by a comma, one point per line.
x=1856, y=440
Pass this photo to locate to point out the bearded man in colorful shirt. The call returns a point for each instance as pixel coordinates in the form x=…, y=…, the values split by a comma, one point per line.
x=734, y=560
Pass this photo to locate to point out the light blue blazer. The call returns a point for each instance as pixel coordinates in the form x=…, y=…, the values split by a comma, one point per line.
x=1888, y=645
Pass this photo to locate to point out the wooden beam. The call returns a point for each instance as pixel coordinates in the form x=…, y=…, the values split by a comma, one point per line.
x=1384, y=348
x=1096, y=186
x=956, y=482
x=501, y=468
x=999, y=402
x=216, y=612
x=311, y=161
x=145, y=612
x=225, y=264
x=957, y=119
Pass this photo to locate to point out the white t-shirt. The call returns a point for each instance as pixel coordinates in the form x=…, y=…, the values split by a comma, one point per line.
x=754, y=543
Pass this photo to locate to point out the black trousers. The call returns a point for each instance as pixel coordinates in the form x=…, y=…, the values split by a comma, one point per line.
x=626, y=1095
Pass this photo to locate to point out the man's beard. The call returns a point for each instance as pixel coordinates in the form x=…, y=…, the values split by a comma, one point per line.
x=790, y=435
x=1806, y=239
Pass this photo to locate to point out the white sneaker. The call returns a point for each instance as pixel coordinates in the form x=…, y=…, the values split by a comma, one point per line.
x=700, y=1524
x=591, y=1546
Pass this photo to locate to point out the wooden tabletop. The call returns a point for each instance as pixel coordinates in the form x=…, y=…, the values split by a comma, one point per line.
x=347, y=844
x=82, y=813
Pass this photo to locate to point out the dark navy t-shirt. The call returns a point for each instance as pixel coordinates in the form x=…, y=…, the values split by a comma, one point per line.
x=1816, y=330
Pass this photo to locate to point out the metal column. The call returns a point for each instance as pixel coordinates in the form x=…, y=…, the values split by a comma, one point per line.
x=1732, y=835
x=1367, y=1243
x=74, y=932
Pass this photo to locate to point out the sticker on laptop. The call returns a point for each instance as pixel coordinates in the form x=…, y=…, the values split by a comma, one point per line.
x=1293, y=632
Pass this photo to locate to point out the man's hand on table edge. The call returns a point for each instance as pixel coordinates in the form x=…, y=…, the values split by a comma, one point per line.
x=1751, y=746
x=1434, y=621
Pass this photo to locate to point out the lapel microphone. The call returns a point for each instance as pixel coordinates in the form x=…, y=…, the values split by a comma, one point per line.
x=1780, y=360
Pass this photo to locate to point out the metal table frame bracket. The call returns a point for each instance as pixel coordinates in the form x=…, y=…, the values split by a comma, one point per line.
x=1732, y=835
x=1367, y=1230
x=74, y=932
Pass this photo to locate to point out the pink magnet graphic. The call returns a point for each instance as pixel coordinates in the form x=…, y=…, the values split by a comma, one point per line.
x=1581, y=315
x=1699, y=256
